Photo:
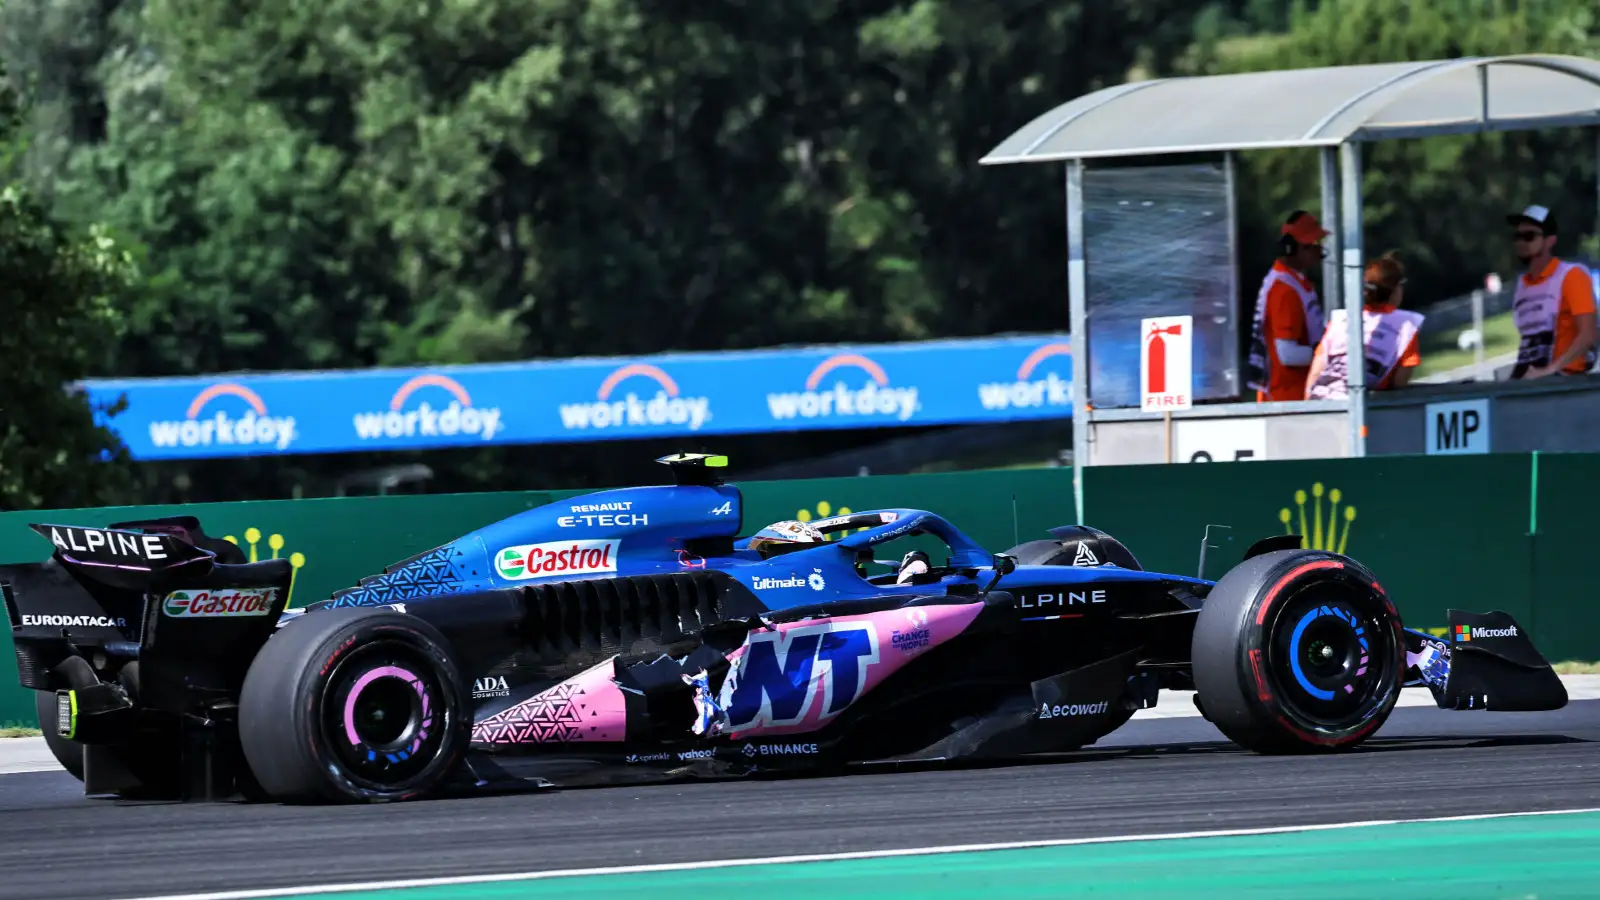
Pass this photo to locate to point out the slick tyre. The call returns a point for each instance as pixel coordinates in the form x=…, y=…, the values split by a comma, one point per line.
x=354, y=705
x=1298, y=651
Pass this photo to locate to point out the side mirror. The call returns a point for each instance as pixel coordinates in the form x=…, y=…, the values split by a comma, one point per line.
x=1004, y=565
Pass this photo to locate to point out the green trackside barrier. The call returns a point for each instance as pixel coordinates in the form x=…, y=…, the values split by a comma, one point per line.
x=1440, y=532
x=1565, y=544
x=335, y=542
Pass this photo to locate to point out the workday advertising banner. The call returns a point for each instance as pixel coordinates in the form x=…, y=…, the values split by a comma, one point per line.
x=889, y=385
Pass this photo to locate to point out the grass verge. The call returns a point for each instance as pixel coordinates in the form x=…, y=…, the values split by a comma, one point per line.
x=1577, y=668
x=10, y=731
x=1440, y=353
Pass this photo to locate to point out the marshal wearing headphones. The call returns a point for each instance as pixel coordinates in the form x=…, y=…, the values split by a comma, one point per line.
x=1288, y=317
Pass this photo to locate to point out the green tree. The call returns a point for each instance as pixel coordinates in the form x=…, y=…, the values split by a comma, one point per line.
x=1440, y=202
x=59, y=321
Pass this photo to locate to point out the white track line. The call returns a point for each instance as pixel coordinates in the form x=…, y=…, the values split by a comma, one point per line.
x=826, y=857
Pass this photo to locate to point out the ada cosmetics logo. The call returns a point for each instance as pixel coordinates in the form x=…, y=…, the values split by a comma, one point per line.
x=460, y=417
x=207, y=604
x=557, y=558
x=1028, y=392
x=631, y=410
x=490, y=686
x=251, y=428
x=874, y=399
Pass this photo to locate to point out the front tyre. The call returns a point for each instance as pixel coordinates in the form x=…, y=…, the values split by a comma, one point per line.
x=354, y=705
x=1298, y=651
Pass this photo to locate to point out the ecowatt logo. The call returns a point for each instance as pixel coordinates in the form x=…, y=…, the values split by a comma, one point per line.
x=665, y=408
x=1027, y=392
x=874, y=398
x=459, y=417
x=254, y=428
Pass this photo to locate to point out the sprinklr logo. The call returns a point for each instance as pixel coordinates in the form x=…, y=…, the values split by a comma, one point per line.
x=873, y=398
x=1027, y=392
x=253, y=428
x=1334, y=539
x=459, y=417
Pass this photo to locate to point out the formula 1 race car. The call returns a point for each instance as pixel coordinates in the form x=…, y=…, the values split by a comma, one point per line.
x=632, y=634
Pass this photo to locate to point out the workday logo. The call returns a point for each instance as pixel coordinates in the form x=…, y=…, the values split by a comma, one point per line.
x=253, y=428
x=426, y=420
x=1028, y=392
x=1314, y=537
x=874, y=398
x=666, y=407
x=275, y=542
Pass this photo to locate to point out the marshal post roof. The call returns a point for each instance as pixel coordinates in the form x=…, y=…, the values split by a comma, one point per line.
x=1316, y=107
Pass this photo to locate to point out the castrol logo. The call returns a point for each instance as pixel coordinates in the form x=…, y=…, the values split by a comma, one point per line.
x=198, y=604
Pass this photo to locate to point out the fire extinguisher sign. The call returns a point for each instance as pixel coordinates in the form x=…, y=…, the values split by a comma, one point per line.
x=1166, y=370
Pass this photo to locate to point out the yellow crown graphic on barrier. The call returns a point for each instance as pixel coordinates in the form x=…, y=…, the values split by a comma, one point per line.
x=252, y=537
x=825, y=510
x=1314, y=538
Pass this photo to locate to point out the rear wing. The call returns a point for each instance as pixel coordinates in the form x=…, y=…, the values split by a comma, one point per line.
x=188, y=608
x=126, y=559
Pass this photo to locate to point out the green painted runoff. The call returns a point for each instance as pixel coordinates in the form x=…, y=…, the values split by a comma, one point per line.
x=1522, y=857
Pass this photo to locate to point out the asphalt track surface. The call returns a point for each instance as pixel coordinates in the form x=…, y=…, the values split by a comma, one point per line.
x=1153, y=776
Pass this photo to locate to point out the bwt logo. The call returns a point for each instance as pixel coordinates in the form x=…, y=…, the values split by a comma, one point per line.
x=252, y=429
x=1051, y=390
x=873, y=398
x=778, y=678
x=460, y=417
x=665, y=408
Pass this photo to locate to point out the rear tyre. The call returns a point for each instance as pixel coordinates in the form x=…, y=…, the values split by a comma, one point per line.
x=359, y=705
x=1298, y=651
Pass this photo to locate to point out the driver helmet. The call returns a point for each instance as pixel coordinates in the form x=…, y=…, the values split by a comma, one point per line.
x=781, y=537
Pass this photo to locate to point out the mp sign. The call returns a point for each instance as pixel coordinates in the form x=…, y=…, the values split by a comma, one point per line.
x=1166, y=363
x=1457, y=428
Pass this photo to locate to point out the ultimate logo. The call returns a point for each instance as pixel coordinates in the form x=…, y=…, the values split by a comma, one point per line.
x=252, y=536
x=1313, y=538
